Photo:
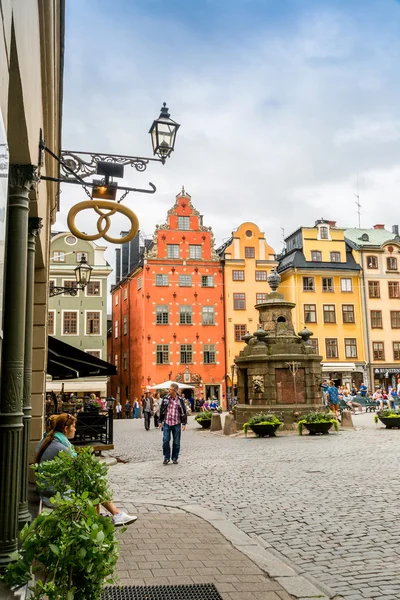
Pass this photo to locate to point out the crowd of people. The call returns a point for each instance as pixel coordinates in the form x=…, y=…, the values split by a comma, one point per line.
x=333, y=395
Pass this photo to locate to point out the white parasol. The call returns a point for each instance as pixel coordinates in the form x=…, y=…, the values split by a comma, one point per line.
x=165, y=385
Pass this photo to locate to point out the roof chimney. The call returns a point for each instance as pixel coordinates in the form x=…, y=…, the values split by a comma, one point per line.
x=379, y=226
x=395, y=229
x=332, y=223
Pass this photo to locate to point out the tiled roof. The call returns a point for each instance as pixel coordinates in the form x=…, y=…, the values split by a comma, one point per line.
x=376, y=237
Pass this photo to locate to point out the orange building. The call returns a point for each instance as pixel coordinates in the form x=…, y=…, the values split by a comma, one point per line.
x=168, y=310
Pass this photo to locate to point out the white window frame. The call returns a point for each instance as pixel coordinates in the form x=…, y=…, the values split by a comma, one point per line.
x=206, y=348
x=162, y=275
x=324, y=226
x=100, y=321
x=170, y=246
x=195, y=248
x=125, y=293
x=184, y=285
x=346, y=279
x=62, y=322
x=116, y=301
x=125, y=325
x=58, y=252
x=207, y=310
x=186, y=222
x=79, y=256
x=99, y=295
x=116, y=360
x=116, y=328
x=95, y=350
x=54, y=323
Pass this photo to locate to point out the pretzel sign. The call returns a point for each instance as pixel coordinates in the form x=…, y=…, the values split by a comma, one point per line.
x=104, y=220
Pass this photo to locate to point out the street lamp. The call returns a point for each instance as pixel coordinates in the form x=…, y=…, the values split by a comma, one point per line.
x=83, y=273
x=163, y=134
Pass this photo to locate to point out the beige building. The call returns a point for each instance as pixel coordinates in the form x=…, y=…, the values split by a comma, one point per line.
x=378, y=252
x=31, y=66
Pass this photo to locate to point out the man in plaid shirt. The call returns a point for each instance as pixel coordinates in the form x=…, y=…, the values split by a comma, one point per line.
x=173, y=418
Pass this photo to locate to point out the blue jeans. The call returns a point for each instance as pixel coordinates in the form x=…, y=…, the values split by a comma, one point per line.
x=176, y=441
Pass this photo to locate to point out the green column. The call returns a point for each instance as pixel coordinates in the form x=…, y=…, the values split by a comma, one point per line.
x=21, y=181
x=34, y=227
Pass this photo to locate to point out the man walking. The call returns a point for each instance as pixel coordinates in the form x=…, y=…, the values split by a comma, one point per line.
x=147, y=408
x=173, y=418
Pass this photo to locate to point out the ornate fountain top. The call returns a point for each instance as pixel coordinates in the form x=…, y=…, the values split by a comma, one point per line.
x=274, y=280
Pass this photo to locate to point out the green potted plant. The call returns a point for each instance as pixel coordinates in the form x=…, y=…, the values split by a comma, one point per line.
x=389, y=417
x=263, y=425
x=317, y=423
x=204, y=419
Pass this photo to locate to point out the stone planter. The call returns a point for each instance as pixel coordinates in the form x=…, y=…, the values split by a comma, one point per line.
x=264, y=430
x=205, y=423
x=390, y=422
x=318, y=428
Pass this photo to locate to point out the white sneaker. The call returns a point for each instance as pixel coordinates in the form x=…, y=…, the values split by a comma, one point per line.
x=122, y=518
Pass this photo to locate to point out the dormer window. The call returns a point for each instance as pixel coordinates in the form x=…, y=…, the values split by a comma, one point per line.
x=316, y=256
x=324, y=233
x=365, y=237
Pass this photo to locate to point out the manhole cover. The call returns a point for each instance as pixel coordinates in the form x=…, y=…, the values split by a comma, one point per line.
x=206, y=591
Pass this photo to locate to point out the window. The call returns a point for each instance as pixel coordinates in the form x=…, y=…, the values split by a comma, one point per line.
x=249, y=252
x=239, y=301
x=80, y=255
x=308, y=284
x=335, y=256
x=71, y=285
x=207, y=281
x=125, y=361
x=93, y=288
x=378, y=349
x=52, y=283
x=346, y=285
x=261, y=275
x=116, y=329
x=70, y=322
x=310, y=313
x=395, y=319
x=161, y=280
x=331, y=348
x=172, y=250
x=185, y=281
x=316, y=256
x=116, y=361
x=139, y=283
x=96, y=353
x=238, y=275
x=93, y=322
x=350, y=347
x=261, y=298
x=195, y=251
x=376, y=319
x=209, y=354
x=372, y=262
x=125, y=293
x=116, y=300
x=374, y=289
x=396, y=350
x=240, y=331
x=394, y=289
x=348, y=313
x=391, y=263
x=329, y=313
x=125, y=324
x=162, y=354
x=327, y=284
x=186, y=354
x=162, y=314
x=51, y=330
x=184, y=223
x=324, y=233
x=208, y=315
x=58, y=256
x=185, y=314
x=70, y=240
x=314, y=344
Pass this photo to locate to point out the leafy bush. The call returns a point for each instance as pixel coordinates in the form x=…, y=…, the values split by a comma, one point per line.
x=204, y=416
x=388, y=413
x=317, y=417
x=74, y=549
x=81, y=473
x=262, y=419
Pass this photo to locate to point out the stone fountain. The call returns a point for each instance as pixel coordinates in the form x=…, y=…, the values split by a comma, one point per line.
x=277, y=370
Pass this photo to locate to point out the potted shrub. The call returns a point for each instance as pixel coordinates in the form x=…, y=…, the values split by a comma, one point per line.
x=317, y=423
x=389, y=417
x=204, y=419
x=263, y=425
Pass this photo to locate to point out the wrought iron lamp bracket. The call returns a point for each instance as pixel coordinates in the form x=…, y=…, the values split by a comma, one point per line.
x=57, y=290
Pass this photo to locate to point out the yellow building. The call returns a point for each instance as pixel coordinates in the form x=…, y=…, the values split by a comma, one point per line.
x=247, y=261
x=321, y=276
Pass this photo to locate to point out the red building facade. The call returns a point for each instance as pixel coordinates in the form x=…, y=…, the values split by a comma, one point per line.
x=168, y=312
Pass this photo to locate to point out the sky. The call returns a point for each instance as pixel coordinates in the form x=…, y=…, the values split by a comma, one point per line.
x=288, y=108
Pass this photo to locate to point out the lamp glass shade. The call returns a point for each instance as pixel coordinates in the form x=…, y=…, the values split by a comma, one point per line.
x=163, y=134
x=82, y=273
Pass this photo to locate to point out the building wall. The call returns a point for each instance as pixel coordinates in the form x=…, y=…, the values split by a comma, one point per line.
x=247, y=235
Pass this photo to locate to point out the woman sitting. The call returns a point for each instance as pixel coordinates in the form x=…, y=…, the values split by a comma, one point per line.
x=61, y=430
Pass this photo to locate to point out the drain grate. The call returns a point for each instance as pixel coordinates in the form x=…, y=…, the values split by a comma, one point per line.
x=206, y=591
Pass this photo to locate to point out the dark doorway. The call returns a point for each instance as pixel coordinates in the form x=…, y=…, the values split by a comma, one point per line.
x=211, y=391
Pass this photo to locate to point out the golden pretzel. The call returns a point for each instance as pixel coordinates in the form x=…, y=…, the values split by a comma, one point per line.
x=112, y=208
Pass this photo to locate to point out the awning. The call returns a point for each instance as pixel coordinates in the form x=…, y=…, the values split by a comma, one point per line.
x=66, y=362
x=339, y=367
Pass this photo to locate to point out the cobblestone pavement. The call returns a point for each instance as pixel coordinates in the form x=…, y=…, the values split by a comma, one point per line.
x=167, y=546
x=330, y=504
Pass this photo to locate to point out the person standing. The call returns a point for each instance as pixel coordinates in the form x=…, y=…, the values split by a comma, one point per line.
x=333, y=398
x=118, y=410
x=136, y=409
x=127, y=409
x=156, y=409
x=173, y=418
x=148, y=407
x=363, y=389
